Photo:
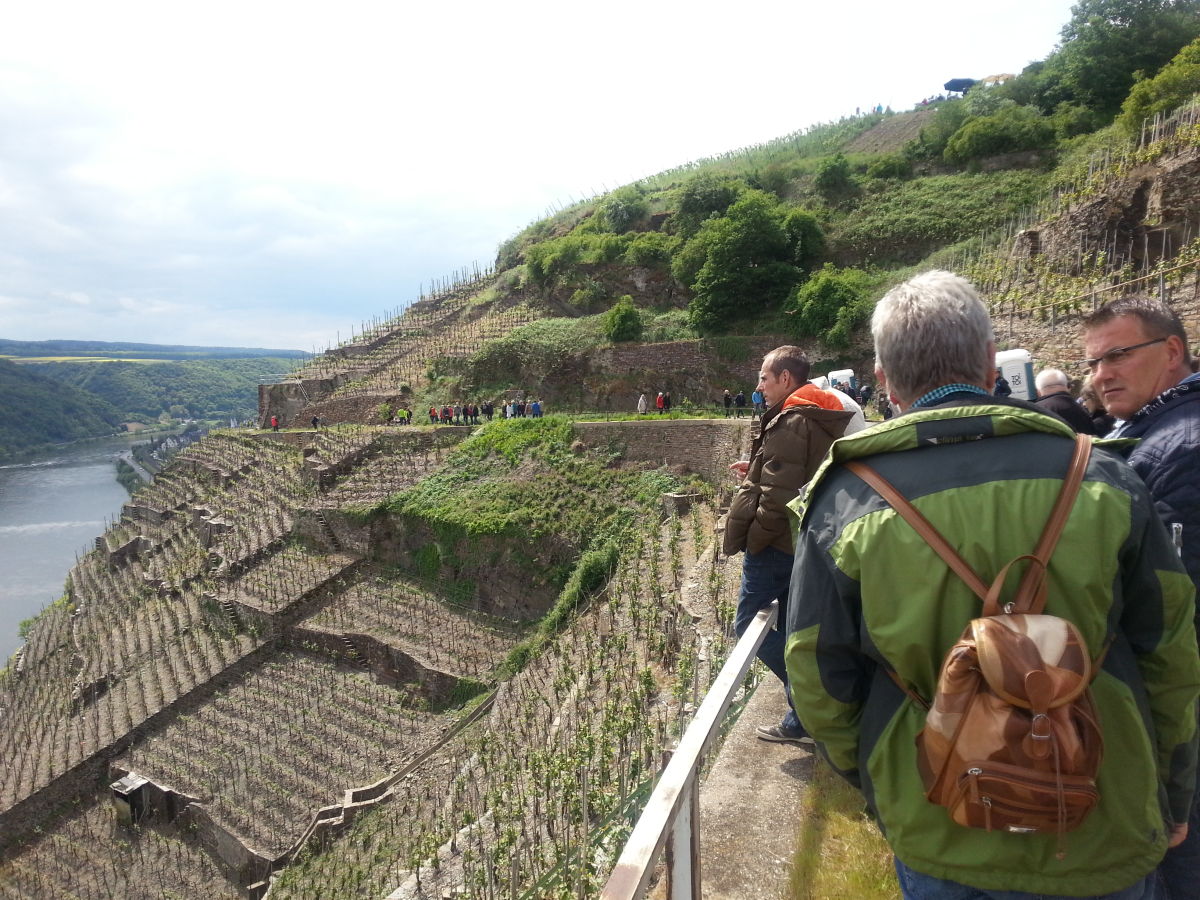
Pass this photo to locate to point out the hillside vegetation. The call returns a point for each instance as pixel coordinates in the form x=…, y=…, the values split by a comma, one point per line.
x=195, y=388
x=39, y=410
x=65, y=390
x=795, y=239
x=366, y=660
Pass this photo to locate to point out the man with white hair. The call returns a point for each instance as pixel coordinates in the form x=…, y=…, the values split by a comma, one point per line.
x=1054, y=395
x=873, y=606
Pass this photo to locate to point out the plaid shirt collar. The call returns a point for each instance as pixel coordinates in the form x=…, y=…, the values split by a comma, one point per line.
x=937, y=395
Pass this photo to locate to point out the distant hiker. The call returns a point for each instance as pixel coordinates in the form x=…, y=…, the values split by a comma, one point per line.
x=1001, y=389
x=537, y=409
x=489, y=410
x=728, y=401
x=740, y=402
x=642, y=405
x=315, y=422
x=666, y=407
x=274, y=423
x=658, y=401
x=433, y=415
x=757, y=399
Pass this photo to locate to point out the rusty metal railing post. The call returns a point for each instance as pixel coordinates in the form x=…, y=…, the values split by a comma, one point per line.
x=671, y=817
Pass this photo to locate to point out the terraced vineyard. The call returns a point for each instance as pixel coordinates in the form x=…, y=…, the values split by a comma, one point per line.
x=294, y=690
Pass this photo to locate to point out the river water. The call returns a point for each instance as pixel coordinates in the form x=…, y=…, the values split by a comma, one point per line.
x=52, y=507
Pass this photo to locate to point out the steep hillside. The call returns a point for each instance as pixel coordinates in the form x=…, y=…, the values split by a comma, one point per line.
x=39, y=410
x=280, y=634
x=194, y=388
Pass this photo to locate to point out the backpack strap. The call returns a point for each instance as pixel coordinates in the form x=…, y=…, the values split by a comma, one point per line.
x=1031, y=592
x=920, y=525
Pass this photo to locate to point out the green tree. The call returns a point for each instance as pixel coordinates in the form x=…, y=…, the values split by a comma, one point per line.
x=833, y=180
x=747, y=263
x=1107, y=41
x=702, y=197
x=1178, y=81
x=831, y=304
x=948, y=118
x=806, y=237
x=623, y=322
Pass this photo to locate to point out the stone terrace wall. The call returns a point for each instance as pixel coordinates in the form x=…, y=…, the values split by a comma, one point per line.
x=703, y=446
x=19, y=821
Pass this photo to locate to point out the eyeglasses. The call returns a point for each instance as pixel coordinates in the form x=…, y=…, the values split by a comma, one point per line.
x=1117, y=355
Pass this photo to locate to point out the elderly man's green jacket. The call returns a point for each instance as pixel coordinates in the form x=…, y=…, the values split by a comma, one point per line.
x=868, y=594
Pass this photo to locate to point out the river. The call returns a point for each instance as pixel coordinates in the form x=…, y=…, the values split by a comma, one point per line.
x=52, y=507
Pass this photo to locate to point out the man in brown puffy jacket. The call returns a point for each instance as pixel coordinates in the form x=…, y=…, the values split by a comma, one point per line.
x=798, y=427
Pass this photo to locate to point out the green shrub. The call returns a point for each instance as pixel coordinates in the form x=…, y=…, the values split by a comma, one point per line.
x=1175, y=85
x=651, y=249
x=1071, y=120
x=912, y=218
x=590, y=295
x=669, y=326
x=949, y=117
x=533, y=351
x=559, y=260
x=623, y=322
x=623, y=208
x=690, y=258
x=820, y=304
x=833, y=180
x=1012, y=128
x=807, y=240
x=891, y=165
x=701, y=197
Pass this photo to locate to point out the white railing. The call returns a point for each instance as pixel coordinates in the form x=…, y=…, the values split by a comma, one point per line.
x=671, y=819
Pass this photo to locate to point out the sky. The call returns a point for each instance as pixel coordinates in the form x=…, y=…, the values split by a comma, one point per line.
x=273, y=174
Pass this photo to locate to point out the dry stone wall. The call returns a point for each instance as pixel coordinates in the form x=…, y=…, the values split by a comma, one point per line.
x=703, y=446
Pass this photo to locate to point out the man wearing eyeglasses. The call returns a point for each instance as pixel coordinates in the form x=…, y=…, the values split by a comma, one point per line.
x=1138, y=353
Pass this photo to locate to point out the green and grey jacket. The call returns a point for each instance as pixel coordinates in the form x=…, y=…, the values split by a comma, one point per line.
x=868, y=594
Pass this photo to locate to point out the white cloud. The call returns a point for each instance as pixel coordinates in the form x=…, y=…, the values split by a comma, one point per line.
x=285, y=166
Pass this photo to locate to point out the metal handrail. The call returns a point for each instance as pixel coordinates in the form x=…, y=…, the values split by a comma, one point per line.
x=670, y=819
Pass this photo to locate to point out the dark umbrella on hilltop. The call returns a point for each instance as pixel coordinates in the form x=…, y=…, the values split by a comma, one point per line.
x=959, y=85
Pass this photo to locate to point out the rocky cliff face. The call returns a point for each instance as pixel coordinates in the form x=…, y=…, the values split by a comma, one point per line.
x=1146, y=216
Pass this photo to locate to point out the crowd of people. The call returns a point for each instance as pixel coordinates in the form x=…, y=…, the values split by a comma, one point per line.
x=888, y=556
x=471, y=413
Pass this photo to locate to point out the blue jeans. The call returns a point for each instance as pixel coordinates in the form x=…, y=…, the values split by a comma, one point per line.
x=916, y=886
x=1179, y=872
x=765, y=577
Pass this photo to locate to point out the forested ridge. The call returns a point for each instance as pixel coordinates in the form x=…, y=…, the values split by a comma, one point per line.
x=796, y=238
x=63, y=400
x=39, y=410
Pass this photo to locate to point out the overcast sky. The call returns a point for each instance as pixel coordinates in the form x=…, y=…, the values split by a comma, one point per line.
x=270, y=174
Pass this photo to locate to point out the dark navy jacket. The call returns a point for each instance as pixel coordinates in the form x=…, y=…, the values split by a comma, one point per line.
x=1167, y=457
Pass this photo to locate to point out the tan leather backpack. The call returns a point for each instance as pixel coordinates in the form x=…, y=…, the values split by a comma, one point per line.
x=1011, y=740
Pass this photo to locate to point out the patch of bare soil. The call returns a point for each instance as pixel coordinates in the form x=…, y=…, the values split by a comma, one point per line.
x=890, y=135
